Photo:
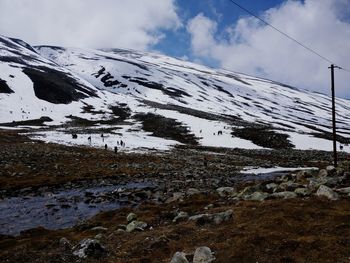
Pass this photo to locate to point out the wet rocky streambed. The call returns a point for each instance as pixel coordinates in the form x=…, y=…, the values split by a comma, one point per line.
x=64, y=207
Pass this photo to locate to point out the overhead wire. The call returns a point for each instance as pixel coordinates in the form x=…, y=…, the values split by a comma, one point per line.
x=285, y=34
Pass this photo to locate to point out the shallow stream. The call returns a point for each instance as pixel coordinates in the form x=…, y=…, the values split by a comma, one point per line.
x=60, y=208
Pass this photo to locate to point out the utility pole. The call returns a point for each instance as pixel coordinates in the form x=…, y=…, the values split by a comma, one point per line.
x=332, y=67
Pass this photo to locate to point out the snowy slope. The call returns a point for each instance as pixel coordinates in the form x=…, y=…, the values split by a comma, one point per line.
x=202, y=99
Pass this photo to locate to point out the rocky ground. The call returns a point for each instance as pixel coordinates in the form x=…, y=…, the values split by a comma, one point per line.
x=187, y=212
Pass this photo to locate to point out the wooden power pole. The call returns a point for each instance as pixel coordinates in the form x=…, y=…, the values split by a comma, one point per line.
x=332, y=67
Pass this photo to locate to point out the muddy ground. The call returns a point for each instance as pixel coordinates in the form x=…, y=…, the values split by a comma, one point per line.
x=303, y=229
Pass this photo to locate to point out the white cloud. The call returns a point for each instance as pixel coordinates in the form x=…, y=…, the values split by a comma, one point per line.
x=254, y=48
x=135, y=24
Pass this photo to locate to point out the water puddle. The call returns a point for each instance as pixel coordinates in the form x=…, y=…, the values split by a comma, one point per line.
x=61, y=209
x=262, y=174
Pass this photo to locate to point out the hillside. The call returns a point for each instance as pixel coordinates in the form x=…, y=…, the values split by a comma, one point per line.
x=154, y=101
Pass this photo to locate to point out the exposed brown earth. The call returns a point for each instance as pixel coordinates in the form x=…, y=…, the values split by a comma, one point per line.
x=309, y=229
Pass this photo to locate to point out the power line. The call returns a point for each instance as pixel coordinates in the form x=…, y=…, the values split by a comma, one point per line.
x=283, y=33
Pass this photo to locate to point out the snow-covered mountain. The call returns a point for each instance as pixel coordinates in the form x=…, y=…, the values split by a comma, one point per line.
x=152, y=100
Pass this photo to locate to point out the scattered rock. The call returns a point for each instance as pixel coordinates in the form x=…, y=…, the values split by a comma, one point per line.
x=216, y=218
x=226, y=191
x=209, y=206
x=179, y=257
x=181, y=216
x=136, y=225
x=345, y=190
x=288, y=186
x=302, y=191
x=257, y=196
x=192, y=191
x=131, y=217
x=322, y=173
x=301, y=175
x=99, y=236
x=203, y=255
x=284, y=195
x=89, y=248
x=315, y=183
x=327, y=192
x=271, y=187
x=250, y=190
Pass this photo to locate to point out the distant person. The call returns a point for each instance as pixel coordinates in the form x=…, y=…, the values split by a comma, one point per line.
x=89, y=139
x=106, y=147
x=74, y=136
x=115, y=149
x=121, y=143
x=103, y=138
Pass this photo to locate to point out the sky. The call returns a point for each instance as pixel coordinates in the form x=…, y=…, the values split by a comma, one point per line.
x=215, y=33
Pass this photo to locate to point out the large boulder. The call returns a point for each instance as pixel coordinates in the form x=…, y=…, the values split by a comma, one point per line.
x=179, y=257
x=327, y=192
x=203, y=255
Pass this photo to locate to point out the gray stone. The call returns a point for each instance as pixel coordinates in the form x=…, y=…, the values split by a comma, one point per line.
x=99, y=229
x=89, y=247
x=179, y=257
x=209, y=206
x=327, y=192
x=203, y=255
x=136, y=225
x=99, y=236
x=216, y=218
x=257, y=196
x=315, y=183
x=288, y=186
x=250, y=190
x=323, y=173
x=271, y=187
x=345, y=190
x=304, y=174
x=226, y=191
x=192, y=191
x=131, y=217
x=302, y=191
x=333, y=181
x=284, y=195
x=181, y=216
x=205, y=218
